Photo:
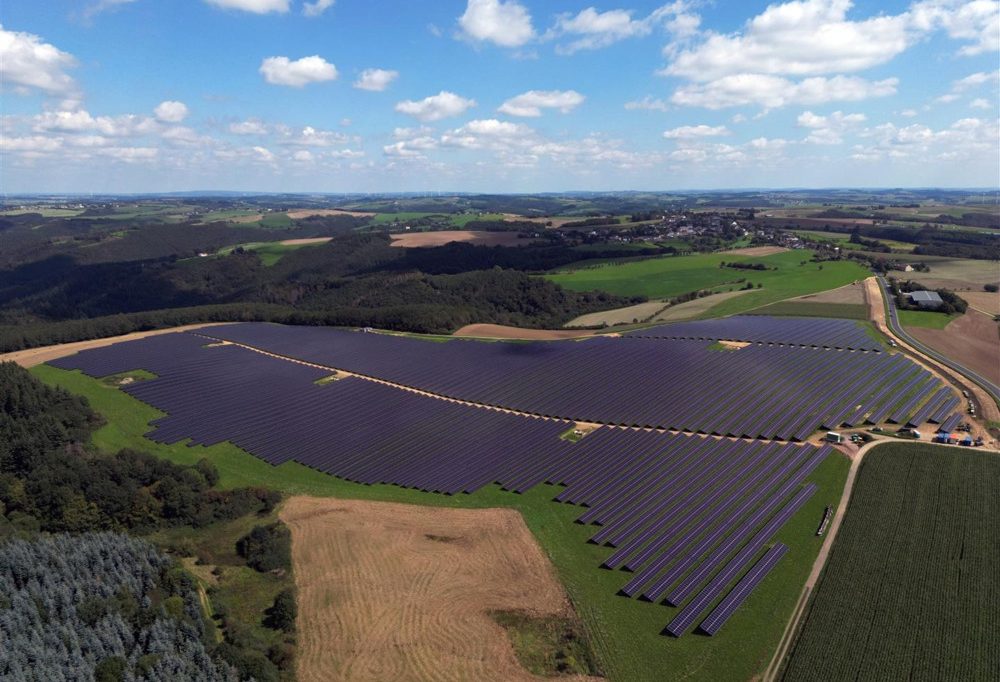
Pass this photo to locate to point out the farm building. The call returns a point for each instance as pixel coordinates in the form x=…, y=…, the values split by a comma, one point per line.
x=926, y=299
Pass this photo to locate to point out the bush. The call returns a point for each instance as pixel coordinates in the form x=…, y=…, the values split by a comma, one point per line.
x=281, y=616
x=267, y=548
x=992, y=288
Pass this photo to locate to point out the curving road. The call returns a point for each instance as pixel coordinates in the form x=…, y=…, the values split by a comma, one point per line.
x=893, y=321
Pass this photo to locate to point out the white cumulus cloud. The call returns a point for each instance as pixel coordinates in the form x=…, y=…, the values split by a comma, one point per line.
x=590, y=29
x=436, y=107
x=249, y=127
x=828, y=129
x=28, y=63
x=532, y=102
x=506, y=23
x=171, y=111
x=772, y=92
x=283, y=71
x=316, y=8
x=689, y=132
x=804, y=38
x=647, y=103
x=375, y=80
x=253, y=6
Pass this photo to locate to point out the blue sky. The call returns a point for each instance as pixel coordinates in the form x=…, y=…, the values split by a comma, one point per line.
x=496, y=95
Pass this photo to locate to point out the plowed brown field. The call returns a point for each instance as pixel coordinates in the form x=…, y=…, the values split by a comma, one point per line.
x=402, y=592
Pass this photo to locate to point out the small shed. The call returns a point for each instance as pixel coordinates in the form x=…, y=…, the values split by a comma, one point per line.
x=930, y=300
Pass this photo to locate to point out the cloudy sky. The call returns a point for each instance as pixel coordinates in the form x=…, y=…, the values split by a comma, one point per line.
x=496, y=95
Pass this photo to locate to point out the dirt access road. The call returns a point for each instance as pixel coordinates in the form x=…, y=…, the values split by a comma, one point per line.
x=876, y=311
x=403, y=592
x=37, y=356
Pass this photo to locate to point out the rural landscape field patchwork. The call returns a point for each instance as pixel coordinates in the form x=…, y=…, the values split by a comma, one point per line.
x=499, y=340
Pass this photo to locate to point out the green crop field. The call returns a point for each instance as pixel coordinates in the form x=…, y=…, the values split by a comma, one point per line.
x=912, y=583
x=673, y=275
x=924, y=318
x=625, y=633
x=382, y=218
x=850, y=311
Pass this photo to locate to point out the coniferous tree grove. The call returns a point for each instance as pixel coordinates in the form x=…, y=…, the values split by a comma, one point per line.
x=99, y=605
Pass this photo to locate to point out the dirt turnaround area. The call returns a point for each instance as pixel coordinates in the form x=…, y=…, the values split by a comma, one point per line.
x=499, y=331
x=401, y=592
x=410, y=240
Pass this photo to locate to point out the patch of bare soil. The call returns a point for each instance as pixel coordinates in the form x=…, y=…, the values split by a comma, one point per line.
x=850, y=293
x=499, y=331
x=972, y=340
x=255, y=218
x=983, y=301
x=401, y=592
x=298, y=214
x=556, y=222
x=307, y=240
x=757, y=251
x=409, y=240
x=37, y=356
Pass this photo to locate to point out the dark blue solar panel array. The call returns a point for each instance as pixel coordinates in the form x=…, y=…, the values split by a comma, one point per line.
x=354, y=429
x=757, y=392
x=732, y=601
x=795, y=331
x=684, y=513
x=951, y=422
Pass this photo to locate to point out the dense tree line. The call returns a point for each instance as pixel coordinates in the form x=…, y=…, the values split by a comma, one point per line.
x=930, y=240
x=100, y=606
x=356, y=280
x=49, y=481
x=29, y=237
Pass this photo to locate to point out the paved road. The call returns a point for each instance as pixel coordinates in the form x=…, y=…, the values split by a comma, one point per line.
x=992, y=389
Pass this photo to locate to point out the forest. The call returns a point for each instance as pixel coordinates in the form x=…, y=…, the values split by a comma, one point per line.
x=356, y=279
x=107, y=602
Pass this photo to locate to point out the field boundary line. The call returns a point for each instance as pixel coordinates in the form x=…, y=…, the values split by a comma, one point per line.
x=784, y=648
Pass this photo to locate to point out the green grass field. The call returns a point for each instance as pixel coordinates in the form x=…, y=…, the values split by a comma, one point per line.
x=670, y=276
x=913, y=579
x=625, y=633
x=383, y=218
x=843, y=240
x=924, y=318
x=850, y=311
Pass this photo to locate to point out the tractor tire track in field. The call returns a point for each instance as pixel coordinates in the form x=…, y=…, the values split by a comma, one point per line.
x=390, y=591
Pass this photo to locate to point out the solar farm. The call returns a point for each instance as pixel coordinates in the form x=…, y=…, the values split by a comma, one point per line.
x=692, y=461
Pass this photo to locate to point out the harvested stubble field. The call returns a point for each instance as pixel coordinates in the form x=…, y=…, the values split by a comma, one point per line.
x=401, y=592
x=972, y=339
x=410, y=240
x=757, y=251
x=914, y=575
x=984, y=301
